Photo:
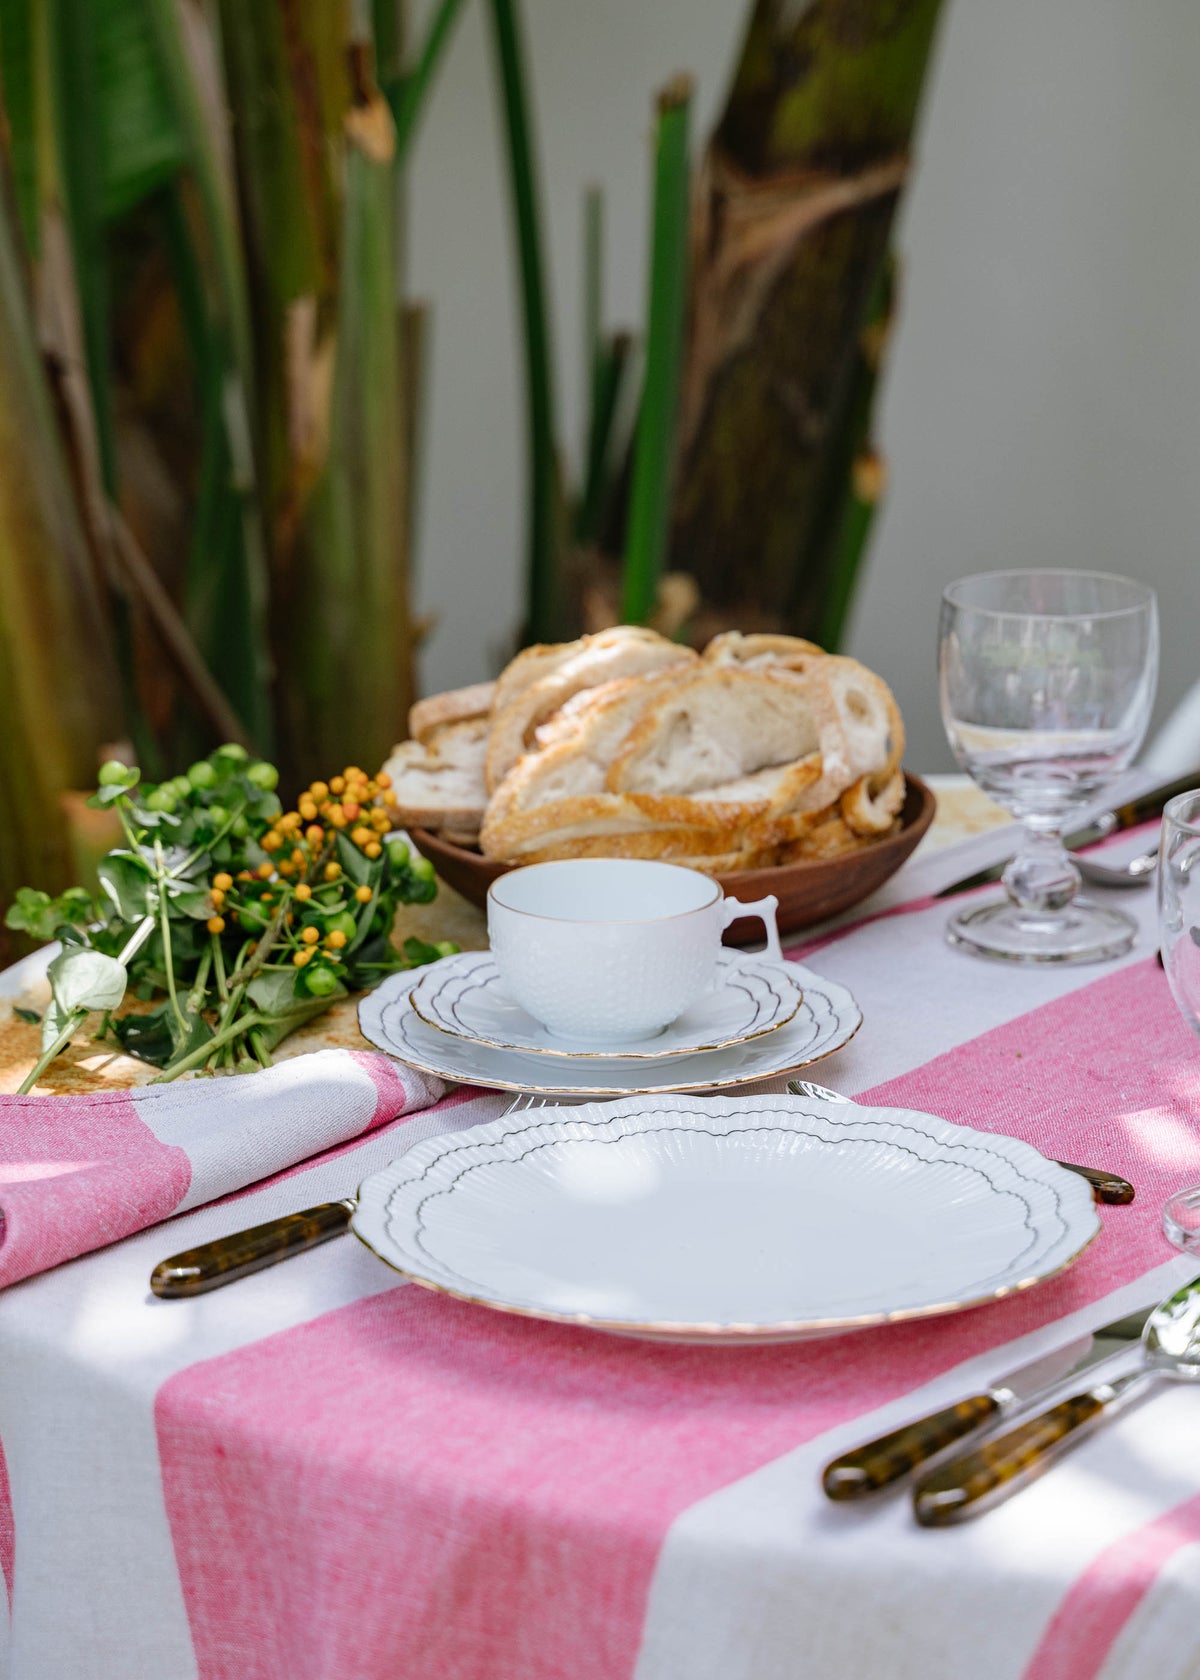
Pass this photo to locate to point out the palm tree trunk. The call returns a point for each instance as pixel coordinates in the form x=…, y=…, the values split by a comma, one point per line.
x=790, y=239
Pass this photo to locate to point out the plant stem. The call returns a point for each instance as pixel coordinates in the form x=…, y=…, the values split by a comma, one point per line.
x=205, y=1050
x=136, y=940
x=122, y=809
x=259, y=1047
x=219, y=966
x=47, y=1056
x=542, y=608
x=249, y=969
x=649, y=509
x=196, y=995
x=165, y=926
x=408, y=100
x=216, y=839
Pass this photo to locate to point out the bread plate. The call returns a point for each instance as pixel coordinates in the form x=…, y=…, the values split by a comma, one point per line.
x=808, y=892
x=717, y=1221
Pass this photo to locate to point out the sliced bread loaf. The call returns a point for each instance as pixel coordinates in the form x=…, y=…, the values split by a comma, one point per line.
x=625, y=651
x=439, y=783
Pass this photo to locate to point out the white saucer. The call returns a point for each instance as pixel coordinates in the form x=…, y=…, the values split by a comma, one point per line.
x=827, y=1018
x=464, y=996
x=765, y=1219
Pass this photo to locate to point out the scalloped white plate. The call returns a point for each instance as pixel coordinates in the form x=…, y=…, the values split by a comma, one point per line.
x=713, y=1220
x=464, y=996
x=827, y=1018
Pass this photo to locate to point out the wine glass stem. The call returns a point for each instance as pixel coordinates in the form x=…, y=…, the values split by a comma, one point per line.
x=1041, y=880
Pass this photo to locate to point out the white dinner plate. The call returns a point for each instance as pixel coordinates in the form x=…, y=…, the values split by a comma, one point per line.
x=464, y=996
x=756, y=1219
x=827, y=1018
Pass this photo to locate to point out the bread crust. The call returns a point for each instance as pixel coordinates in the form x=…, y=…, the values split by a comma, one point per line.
x=761, y=650
x=765, y=750
x=456, y=705
x=605, y=657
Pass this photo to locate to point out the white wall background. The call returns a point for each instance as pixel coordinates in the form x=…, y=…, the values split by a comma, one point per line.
x=1043, y=401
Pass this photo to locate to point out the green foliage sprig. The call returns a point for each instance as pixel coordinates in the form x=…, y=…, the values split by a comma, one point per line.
x=251, y=920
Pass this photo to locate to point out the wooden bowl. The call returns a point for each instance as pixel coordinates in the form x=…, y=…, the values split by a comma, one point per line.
x=807, y=892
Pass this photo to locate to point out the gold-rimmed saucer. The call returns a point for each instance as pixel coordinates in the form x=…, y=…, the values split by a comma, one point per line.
x=464, y=996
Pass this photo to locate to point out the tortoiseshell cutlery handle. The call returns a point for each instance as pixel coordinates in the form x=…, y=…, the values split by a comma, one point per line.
x=976, y=1480
x=213, y=1264
x=1107, y=1187
x=883, y=1461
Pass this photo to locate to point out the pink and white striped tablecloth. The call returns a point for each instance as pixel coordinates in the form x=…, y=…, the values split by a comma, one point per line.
x=321, y=1473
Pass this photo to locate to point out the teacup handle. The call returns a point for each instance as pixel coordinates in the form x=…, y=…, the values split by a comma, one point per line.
x=764, y=909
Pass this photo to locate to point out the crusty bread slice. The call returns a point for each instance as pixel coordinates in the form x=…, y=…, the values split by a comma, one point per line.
x=657, y=848
x=721, y=725
x=530, y=666
x=831, y=838
x=438, y=784
x=871, y=719
x=456, y=705
x=759, y=650
x=669, y=844
x=582, y=817
x=625, y=651
x=869, y=813
x=574, y=748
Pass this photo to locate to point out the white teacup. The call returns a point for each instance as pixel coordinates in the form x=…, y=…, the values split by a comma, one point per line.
x=604, y=950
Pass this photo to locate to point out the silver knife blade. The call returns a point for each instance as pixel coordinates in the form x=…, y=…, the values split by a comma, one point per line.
x=879, y=1463
x=1030, y=1382
x=1129, y=815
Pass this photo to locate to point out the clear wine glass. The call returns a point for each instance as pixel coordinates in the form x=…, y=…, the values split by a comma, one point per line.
x=1179, y=942
x=1046, y=681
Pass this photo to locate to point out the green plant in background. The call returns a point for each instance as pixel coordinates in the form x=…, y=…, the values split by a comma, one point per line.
x=212, y=384
x=207, y=406
x=750, y=474
x=250, y=919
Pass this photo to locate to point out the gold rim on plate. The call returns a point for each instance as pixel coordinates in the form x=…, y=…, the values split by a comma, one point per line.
x=612, y=1055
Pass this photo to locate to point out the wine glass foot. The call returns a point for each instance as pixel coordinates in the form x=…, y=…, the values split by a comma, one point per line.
x=1181, y=1219
x=1082, y=933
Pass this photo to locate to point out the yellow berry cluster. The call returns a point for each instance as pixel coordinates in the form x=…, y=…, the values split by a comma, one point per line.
x=346, y=803
x=300, y=879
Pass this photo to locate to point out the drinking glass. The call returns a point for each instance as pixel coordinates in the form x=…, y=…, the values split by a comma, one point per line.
x=1179, y=942
x=1046, y=681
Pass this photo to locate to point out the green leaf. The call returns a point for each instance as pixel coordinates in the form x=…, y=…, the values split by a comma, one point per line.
x=80, y=979
x=417, y=952
x=147, y=1036
x=30, y=913
x=39, y=915
x=128, y=882
x=274, y=994
x=141, y=139
x=273, y=991
x=190, y=901
x=356, y=865
x=30, y=1016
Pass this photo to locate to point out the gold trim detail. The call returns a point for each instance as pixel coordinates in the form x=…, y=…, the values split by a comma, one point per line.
x=613, y=1055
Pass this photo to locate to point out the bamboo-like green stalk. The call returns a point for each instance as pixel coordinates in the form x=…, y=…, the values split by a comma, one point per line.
x=608, y=386
x=408, y=98
x=649, y=508
x=358, y=685
x=855, y=479
x=543, y=585
x=593, y=305
x=58, y=684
